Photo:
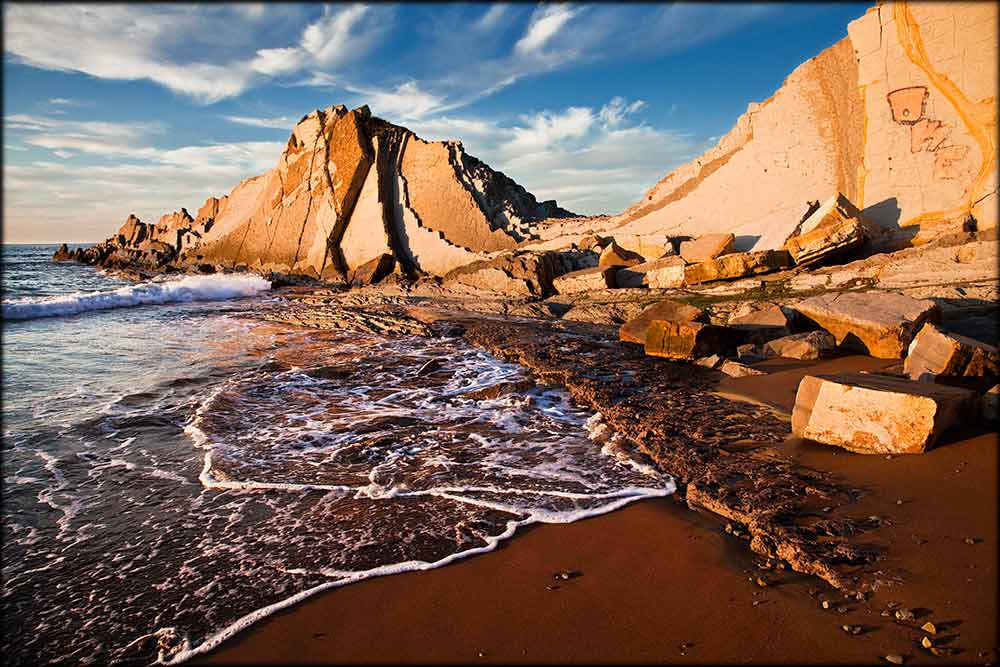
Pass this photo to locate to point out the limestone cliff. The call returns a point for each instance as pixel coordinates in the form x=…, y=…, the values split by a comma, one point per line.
x=349, y=190
x=900, y=116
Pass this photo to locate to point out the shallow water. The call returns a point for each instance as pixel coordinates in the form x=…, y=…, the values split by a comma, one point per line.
x=177, y=469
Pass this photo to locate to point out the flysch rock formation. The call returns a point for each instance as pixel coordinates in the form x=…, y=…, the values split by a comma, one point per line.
x=900, y=116
x=349, y=189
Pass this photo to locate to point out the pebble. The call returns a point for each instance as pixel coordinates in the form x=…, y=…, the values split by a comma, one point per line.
x=825, y=604
x=970, y=540
x=894, y=658
x=926, y=642
x=551, y=588
x=760, y=582
x=852, y=629
x=943, y=651
x=929, y=628
x=841, y=610
x=904, y=615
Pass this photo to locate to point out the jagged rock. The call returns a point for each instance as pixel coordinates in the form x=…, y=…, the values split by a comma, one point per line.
x=684, y=340
x=837, y=225
x=939, y=356
x=875, y=414
x=62, y=254
x=879, y=323
x=738, y=370
x=372, y=271
x=737, y=265
x=664, y=273
x=709, y=362
x=634, y=331
x=807, y=346
x=585, y=280
x=616, y=256
x=649, y=246
x=762, y=320
x=707, y=247
x=520, y=273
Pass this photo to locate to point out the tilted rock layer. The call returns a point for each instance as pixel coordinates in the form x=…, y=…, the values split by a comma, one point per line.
x=348, y=189
x=900, y=116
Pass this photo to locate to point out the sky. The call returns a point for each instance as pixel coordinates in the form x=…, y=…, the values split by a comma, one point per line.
x=144, y=108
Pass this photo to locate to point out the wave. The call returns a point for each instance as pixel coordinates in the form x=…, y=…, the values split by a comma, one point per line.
x=189, y=288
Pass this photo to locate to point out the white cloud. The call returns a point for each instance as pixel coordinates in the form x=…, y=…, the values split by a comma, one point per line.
x=278, y=123
x=545, y=24
x=208, y=53
x=492, y=17
x=405, y=101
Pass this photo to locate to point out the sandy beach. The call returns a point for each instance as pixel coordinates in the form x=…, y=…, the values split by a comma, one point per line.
x=663, y=583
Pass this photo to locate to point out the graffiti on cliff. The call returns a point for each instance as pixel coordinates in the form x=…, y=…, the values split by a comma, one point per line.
x=908, y=106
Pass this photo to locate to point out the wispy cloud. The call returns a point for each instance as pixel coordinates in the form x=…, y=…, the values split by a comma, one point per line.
x=277, y=123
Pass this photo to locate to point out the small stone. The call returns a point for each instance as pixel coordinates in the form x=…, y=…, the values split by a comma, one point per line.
x=757, y=602
x=904, y=615
x=825, y=604
x=482, y=654
x=929, y=628
x=551, y=588
x=860, y=596
x=729, y=528
x=894, y=658
x=841, y=610
x=970, y=540
x=899, y=502
x=760, y=582
x=942, y=651
x=852, y=629
x=926, y=642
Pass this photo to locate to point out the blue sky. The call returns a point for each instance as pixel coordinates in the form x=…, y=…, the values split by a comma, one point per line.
x=118, y=109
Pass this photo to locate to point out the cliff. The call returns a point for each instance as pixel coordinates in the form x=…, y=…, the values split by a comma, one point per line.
x=349, y=191
x=900, y=116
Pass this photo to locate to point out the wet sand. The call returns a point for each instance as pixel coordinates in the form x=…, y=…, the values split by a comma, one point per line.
x=662, y=583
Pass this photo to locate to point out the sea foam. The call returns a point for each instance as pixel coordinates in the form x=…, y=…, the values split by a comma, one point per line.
x=218, y=287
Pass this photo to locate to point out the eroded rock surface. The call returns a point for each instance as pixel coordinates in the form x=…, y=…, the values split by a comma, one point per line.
x=935, y=355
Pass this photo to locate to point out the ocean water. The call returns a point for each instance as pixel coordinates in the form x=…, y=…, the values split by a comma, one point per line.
x=176, y=468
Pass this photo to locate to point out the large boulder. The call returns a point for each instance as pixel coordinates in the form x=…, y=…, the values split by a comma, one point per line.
x=837, y=225
x=685, y=340
x=585, y=280
x=881, y=324
x=650, y=246
x=520, y=273
x=762, y=320
x=707, y=247
x=737, y=265
x=940, y=356
x=875, y=414
x=809, y=346
x=663, y=273
x=634, y=331
x=615, y=255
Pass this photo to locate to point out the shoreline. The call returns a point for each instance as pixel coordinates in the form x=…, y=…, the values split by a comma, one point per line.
x=639, y=561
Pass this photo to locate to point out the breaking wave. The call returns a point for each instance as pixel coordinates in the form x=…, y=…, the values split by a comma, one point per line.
x=189, y=288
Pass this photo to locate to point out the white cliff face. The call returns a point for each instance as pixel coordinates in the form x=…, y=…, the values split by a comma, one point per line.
x=900, y=116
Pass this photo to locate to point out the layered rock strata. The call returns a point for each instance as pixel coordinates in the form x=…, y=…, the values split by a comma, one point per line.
x=348, y=190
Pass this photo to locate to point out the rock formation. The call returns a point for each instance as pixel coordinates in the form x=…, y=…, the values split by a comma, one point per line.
x=349, y=191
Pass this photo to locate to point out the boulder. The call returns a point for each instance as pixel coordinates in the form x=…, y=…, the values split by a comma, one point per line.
x=737, y=370
x=62, y=254
x=881, y=324
x=807, y=346
x=707, y=247
x=876, y=414
x=664, y=273
x=520, y=273
x=762, y=320
x=709, y=362
x=634, y=331
x=939, y=356
x=615, y=255
x=372, y=271
x=749, y=352
x=650, y=246
x=685, y=340
x=737, y=265
x=837, y=225
x=585, y=280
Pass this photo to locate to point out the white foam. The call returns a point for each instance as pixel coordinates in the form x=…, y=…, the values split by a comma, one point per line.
x=218, y=287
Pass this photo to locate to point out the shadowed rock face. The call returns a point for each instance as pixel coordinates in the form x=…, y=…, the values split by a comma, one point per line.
x=348, y=189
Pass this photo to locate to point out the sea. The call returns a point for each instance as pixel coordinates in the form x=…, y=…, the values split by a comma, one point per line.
x=176, y=468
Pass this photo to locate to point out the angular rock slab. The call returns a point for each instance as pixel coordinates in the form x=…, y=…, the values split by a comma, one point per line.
x=807, y=346
x=664, y=273
x=650, y=246
x=707, y=247
x=879, y=323
x=615, y=255
x=585, y=280
x=875, y=414
x=684, y=340
x=836, y=225
x=737, y=265
x=938, y=356
x=737, y=370
x=634, y=331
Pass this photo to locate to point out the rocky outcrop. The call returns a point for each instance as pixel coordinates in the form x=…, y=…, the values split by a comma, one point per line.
x=737, y=265
x=663, y=273
x=836, y=226
x=634, y=331
x=900, y=116
x=348, y=190
x=880, y=324
x=875, y=414
x=585, y=280
x=707, y=247
x=810, y=345
x=520, y=273
x=684, y=340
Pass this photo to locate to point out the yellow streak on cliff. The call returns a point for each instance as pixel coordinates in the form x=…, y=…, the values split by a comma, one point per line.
x=979, y=118
x=863, y=162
